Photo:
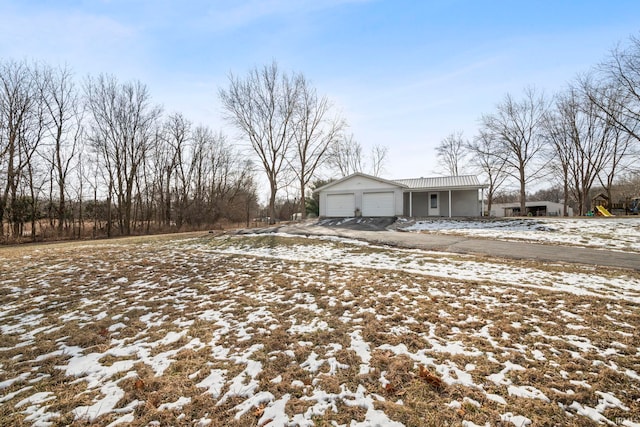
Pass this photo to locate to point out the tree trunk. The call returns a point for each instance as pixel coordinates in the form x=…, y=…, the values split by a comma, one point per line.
x=109, y=216
x=523, y=193
x=61, y=210
x=272, y=204
x=565, y=203
x=303, y=206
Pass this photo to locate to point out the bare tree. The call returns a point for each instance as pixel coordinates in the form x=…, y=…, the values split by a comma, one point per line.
x=560, y=154
x=614, y=88
x=616, y=160
x=621, y=71
x=378, y=159
x=620, y=145
x=488, y=159
x=201, y=161
x=262, y=106
x=316, y=131
x=517, y=126
x=81, y=177
x=177, y=132
x=163, y=164
x=345, y=156
x=584, y=141
x=611, y=102
x=452, y=152
x=31, y=141
x=222, y=179
x=122, y=130
x=63, y=107
x=21, y=130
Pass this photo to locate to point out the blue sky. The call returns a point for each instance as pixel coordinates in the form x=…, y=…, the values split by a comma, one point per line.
x=405, y=74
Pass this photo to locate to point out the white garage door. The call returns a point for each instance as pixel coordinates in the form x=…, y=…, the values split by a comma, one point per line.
x=341, y=205
x=378, y=204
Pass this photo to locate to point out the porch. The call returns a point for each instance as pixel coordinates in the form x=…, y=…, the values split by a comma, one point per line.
x=441, y=203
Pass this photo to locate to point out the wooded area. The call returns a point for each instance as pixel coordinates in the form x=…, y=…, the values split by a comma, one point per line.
x=99, y=159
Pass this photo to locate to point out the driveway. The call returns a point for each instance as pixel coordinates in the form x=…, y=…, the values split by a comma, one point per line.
x=466, y=245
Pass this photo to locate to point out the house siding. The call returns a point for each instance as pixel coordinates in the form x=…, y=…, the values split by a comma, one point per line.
x=410, y=197
x=465, y=203
x=359, y=185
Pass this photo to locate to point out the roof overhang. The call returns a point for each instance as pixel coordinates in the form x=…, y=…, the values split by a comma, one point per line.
x=364, y=175
x=427, y=189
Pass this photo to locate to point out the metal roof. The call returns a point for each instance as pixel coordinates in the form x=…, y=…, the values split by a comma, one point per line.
x=344, y=178
x=441, y=182
x=433, y=183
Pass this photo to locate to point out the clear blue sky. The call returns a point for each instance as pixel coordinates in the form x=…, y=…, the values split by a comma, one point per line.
x=405, y=74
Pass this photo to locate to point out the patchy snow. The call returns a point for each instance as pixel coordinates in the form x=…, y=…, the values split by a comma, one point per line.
x=214, y=382
x=437, y=264
x=362, y=349
x=178, y=404
x=610, y=233
x=527, y=391
x=516, y=420
x=292, y=333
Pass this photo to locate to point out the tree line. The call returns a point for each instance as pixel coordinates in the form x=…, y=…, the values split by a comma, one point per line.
x=586, y=135
x=99, y=158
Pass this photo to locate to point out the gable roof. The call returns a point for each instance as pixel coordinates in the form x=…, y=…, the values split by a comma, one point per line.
x=375, y=178
x=441, y=182
x=460, y=182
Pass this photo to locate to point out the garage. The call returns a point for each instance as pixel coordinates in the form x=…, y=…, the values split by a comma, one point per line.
x=341, y=205
x=378, y=204
x=360, y=195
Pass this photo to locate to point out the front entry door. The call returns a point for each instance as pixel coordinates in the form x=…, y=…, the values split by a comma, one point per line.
x=434, y=204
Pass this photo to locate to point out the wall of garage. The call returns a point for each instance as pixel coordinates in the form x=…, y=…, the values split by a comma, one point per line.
x=369, y=196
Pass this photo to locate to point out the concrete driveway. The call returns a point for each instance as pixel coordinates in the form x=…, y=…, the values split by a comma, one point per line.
x=467, y=245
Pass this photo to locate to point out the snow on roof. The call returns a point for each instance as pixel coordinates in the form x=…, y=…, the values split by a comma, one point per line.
x=441, y=182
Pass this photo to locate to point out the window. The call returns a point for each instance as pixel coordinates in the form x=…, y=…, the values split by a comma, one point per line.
x=434, y=201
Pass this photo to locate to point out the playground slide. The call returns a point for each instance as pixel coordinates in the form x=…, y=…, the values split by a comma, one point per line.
x=603, y=211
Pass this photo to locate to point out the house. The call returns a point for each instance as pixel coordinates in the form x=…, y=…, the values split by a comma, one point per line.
x=542, y=208
x=365, y=195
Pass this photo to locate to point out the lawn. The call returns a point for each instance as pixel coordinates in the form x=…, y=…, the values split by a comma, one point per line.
x=279, y=330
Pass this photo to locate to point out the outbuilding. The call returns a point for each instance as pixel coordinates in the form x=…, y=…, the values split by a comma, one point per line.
x=369, y=196
x=539, y=208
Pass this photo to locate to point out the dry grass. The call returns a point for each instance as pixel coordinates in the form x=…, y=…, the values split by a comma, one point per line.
x=124, y=298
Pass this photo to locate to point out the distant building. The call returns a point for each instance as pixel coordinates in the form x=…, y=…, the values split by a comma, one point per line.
x=533, y=209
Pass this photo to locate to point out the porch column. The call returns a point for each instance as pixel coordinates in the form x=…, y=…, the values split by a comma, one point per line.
x=411, y=204
x=449, y=203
